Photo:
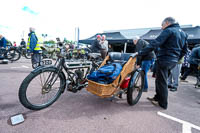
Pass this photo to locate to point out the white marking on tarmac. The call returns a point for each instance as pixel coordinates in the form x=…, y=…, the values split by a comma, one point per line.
x=186, y=128
x=23, y=66
x=15, y=67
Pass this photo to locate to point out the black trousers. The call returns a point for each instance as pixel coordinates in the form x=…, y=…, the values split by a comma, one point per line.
x=103, y=54
x=162, y=70
x=154, y=68
x=193, y=68
x=184, y=69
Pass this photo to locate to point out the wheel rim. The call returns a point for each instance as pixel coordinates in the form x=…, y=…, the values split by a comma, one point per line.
x=137, y=87
x=13, y=55
x=40, y=92
x=28, y=55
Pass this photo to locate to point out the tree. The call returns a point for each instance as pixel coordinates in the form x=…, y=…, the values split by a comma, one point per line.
x=50, y=42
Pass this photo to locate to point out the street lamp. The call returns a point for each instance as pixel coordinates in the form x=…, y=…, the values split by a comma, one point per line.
x=44, y=36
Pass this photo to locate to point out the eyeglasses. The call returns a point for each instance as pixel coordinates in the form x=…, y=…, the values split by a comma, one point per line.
x=163, y=23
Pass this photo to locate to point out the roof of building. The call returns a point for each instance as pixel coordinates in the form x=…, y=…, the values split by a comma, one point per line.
x=192, y=32
x=130, y=33
x=126, y=35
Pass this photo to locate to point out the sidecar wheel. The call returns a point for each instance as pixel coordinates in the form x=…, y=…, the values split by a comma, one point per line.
x=135, y=87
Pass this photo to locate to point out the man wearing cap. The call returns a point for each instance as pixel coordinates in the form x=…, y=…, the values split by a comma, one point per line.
x=96, y=46
x=144, y=61
x=171, y=46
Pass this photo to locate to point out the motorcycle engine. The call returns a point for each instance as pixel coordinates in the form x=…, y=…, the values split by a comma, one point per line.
x=79, y=73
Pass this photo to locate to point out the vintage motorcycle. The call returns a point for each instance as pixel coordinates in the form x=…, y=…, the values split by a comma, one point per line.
x=23, y=52
x=44, y=85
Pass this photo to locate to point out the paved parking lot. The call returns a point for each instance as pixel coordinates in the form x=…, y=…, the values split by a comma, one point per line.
x=85, y=113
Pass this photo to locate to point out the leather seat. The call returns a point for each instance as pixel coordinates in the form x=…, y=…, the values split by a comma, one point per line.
x=114, y=56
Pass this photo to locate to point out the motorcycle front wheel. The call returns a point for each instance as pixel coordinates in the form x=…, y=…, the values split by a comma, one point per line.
x=41, y=88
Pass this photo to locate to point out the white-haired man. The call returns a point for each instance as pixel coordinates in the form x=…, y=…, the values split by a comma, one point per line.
x=34, y=47
x=145, y=62
x=171, y=46
x=104, y=45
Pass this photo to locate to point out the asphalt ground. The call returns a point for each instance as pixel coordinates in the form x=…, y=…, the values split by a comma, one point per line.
x=84, y=112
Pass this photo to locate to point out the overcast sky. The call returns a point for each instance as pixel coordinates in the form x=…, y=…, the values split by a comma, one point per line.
x=60, y=17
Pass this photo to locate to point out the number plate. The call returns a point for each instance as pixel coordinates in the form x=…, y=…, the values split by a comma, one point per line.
x=42, y=63
x=46, y=62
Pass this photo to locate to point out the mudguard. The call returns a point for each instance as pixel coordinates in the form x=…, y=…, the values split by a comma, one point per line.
x=134, y=75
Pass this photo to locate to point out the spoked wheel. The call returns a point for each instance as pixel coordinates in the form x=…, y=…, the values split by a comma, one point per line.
x=13, y=55
x=41, y=88
x=135, y=87
x=27, y=55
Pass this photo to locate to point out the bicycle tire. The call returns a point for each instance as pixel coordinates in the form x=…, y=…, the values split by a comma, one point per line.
x=24, y=98
x=137, y=75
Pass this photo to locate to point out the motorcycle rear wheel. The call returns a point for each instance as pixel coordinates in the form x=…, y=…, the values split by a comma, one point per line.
x=13, y=55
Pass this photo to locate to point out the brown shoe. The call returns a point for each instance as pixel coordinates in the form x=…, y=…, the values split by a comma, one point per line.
x=153, y=101
x=153, y=98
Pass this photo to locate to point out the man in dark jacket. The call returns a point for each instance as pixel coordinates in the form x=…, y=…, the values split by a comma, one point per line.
x=194, y=61
x=23, y=43
x=3, y=44
x=3, y=41
x=145, y=61
x=96, y=46
x=110, y=49
x=172, y=46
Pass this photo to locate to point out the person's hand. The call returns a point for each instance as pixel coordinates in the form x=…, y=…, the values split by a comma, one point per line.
x=137, y=66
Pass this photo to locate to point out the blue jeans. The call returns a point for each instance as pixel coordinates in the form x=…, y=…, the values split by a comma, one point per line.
x=146, y=65
x=174, y=76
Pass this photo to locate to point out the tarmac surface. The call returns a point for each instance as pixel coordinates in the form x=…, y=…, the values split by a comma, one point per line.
x=84, y=112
